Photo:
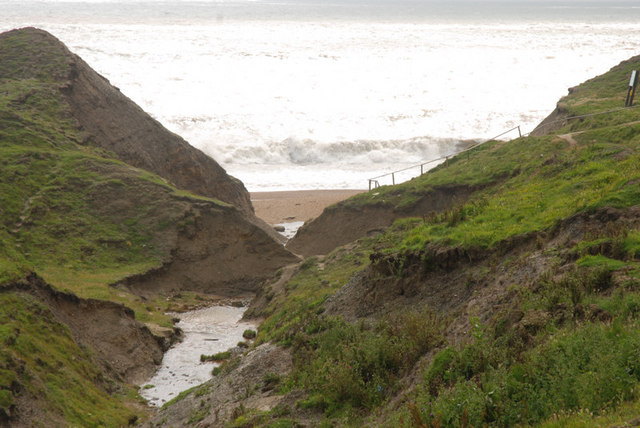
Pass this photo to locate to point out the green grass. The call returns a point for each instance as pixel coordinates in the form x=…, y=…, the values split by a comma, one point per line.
x=307, y=290
x=346, y=366
x=21, y=58
x=220, y=356
x=80, y=219
x=553, y=184
x=40, y=357
x=577, y=362
x=592, y=367
x=84, y=220
x=71, y=212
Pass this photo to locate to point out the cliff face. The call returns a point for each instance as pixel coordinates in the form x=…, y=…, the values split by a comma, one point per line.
x=345, y=222
x=62, y=355
x=212, y=252
x=113, y=122
x=124, y=347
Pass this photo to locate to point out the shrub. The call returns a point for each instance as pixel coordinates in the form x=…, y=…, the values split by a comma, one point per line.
x=215, y=357
x=270, y=380
x=249, y=334
x=358, y=365
x=593, y=367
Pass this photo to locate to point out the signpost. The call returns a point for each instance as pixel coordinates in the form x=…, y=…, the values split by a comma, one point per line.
x=632, y=88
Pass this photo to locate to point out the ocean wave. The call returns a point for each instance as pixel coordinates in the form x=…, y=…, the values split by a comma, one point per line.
x=294, y=151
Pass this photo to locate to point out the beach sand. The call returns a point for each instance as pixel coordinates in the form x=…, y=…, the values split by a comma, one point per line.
x=296, y=205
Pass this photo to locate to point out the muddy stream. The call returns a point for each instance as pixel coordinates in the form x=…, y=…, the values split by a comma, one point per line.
x=206, y=331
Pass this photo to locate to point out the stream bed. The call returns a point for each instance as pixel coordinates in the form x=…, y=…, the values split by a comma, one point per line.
x=206, y=331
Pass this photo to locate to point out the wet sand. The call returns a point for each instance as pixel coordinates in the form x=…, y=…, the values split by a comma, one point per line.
x=296, y=205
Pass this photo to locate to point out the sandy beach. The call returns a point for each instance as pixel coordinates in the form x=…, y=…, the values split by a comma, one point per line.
x=296, y=205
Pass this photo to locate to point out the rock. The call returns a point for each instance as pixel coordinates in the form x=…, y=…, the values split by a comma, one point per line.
x=278, y=228
x=229, y=390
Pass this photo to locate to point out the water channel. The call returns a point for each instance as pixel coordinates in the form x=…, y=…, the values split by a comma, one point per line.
x=206, y=331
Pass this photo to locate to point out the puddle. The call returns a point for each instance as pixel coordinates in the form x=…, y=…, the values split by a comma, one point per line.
x=206, y=331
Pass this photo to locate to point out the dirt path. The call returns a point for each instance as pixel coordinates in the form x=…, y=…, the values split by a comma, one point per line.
x=572, y=142
x=569, y=138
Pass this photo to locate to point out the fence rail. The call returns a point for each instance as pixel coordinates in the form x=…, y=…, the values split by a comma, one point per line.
x=374, y=182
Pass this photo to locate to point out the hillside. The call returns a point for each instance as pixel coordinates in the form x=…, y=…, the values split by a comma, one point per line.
x=500, y=289
x=373, y=211
x=106, y=118
x=108, y=221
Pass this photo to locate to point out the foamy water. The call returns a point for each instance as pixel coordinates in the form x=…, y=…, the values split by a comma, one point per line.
x=206, y=331
x=301, y=94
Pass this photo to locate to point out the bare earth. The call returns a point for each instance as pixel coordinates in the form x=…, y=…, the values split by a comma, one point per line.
x=296, y=205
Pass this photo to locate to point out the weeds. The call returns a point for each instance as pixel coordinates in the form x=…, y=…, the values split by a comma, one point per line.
x=357, y=365
x=220, y=356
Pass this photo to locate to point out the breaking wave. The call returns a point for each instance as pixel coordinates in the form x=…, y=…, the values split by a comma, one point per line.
x=296, y=151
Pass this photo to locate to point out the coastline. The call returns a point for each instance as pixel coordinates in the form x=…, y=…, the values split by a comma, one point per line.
x=289, y=206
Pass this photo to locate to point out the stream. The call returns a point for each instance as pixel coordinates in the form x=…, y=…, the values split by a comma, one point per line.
x=290, y=228
x=206, y=331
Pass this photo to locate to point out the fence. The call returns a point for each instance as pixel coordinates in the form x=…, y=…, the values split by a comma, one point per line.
x=374, y=182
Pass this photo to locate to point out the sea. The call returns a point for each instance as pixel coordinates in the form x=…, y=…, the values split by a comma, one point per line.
x=311, y=94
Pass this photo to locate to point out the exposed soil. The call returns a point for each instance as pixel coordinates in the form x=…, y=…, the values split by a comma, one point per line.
x=123, y=347
x=206, y=247
x=466, y=283
x=460, y=284
x=114, y=122
x=214, y=251
x=343, y=223
x=265, y=294
x=557, y=119
x=246, y=386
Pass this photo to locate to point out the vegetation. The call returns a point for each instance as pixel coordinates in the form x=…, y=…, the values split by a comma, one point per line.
x=70, y=211
x=347, y=366
x=40, y=359
x=249, y=334
x=220, y=356
x=562, y=350
x=306, y=292
x=82, y=220
x=569, y=357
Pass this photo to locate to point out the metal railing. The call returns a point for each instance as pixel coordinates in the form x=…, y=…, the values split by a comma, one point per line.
x=374, y=182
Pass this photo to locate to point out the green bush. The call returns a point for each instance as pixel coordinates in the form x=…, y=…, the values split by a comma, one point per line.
x=249, y=334
x=220, y=356
x=357, y=365
x=594, y=367
x=6, y=399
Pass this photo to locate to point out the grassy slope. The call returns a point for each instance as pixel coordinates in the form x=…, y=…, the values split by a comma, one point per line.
x=571, y=370
x=39, y=361
x=80, y=219
x=61, y=202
